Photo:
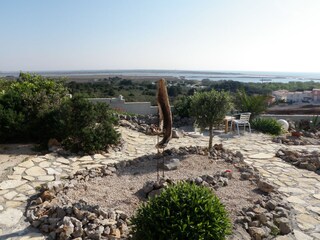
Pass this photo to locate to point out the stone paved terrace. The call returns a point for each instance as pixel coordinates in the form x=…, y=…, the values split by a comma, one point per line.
x=300, y=187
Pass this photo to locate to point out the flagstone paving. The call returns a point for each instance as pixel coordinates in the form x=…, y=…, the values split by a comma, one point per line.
x=300, y=187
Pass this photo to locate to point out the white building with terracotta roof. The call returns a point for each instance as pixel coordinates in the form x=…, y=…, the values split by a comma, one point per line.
x=297, y=96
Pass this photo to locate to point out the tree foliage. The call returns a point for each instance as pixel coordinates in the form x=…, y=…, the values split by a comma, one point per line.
x=255, y=104
x=182, y=106
x=24, y=102
x=209, y=109
x=82, y=126
x=35, y=108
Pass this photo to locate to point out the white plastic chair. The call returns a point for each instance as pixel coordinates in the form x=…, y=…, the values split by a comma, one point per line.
x=243, y=121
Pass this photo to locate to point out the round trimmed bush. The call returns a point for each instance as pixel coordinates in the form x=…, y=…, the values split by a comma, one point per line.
x=183, y=211
x=267, y=125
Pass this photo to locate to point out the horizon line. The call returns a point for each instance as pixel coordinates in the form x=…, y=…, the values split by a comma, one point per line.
x=151, y=69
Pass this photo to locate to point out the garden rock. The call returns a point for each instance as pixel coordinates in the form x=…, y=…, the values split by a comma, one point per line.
x=175, y=134
x=257, y=233
x=284, y=225
x=61, y=220
x=173, y=164
x=265, y=186
x=302, y=159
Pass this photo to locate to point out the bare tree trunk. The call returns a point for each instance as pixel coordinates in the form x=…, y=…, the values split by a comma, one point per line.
x=210, y=136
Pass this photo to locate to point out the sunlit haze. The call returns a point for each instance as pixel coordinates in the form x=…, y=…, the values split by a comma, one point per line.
x=263, y=35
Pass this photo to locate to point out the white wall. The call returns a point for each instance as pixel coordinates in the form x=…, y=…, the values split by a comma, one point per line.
x=287, y=117
x=142, y=108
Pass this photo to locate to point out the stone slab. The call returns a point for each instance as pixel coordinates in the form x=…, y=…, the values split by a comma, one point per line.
x=26, y=164
x=291, y=190
x=85, y=158
x=314, y=209
x=14, y=177
x=261, y=156
x=110, y=161
x=301, y=236
x=295, y=199
x=18, y=170
x=317, y=196
x=20, y=197
x=63, y=160
x=13, y=204
x=29, y=178
x=46, y=178
x=38, y=159
x=44, y=164
x=10, y=195
x=24, y=188
x=307, y=222
x=3, y=192
x=8, y=184
x=10, y=217
x=36, y=171
x=52, y=171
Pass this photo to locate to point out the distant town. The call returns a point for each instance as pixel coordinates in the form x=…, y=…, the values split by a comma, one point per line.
x=312, y=96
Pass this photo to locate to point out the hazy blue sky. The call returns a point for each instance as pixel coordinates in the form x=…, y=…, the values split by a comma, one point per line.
x=270, y=35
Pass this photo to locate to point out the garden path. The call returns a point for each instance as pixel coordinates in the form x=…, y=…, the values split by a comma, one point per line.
x=300, y=187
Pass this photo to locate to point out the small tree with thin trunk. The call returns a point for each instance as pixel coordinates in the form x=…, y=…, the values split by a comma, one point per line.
x=209, y=109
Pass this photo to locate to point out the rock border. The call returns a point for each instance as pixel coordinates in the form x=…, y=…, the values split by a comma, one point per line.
x=63, y=220
x=301, y=159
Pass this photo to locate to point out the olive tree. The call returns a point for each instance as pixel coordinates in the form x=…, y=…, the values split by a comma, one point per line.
x=209, y=109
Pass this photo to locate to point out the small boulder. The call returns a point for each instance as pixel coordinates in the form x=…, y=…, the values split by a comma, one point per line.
x=246, y=175
x=175, y=134
x=271, y=205
x=198, y=180
x=148, y=187
x=257, y=233
x=173, y=164
x=68, y=226
x=284, y=225
x=265, y=186
x=239, y=234
x=155, y=192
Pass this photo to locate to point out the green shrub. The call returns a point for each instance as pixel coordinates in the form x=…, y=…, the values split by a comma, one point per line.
x=182, y=106
x=81, y=126
x=35, y=109
x=183, y=211
x=11, y=124
x=24, y=102
x=267, y=125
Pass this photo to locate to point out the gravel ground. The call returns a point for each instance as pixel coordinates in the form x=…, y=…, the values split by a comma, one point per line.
x=123, y=191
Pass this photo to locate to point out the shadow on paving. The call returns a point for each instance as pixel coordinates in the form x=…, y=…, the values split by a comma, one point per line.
x=29, y=231
x=18, y=149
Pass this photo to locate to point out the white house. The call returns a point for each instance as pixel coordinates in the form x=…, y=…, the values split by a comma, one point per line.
x=297, y=96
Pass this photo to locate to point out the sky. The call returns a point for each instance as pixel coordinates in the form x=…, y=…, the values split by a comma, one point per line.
x=247, y=35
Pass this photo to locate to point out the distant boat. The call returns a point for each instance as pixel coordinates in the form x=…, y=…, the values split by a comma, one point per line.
x=265, y=80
